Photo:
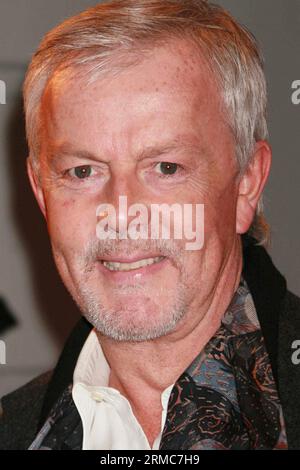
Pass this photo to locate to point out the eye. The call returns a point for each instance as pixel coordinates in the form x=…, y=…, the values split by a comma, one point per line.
x=167, y=168
x=81, y=172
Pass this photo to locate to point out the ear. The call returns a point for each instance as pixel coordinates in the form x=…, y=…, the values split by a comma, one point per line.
x=251, y=186
x=36, y=185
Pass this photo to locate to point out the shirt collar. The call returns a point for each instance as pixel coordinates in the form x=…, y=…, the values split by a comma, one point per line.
x=92, y=368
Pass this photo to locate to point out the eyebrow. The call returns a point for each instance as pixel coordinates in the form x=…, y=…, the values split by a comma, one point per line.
x=67, y=151
x=151, y=151
x=155, y=150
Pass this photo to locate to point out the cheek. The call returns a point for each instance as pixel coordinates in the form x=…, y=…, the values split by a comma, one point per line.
x=220, y=215
x=71, y=223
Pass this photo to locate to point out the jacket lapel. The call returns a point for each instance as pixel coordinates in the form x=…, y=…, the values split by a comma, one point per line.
x=268, y=290
x=63, y=372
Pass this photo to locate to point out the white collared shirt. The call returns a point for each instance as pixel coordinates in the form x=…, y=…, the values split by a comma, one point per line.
x=107, y=417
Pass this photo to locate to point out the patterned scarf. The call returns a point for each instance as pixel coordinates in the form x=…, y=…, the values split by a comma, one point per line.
x=226, y=399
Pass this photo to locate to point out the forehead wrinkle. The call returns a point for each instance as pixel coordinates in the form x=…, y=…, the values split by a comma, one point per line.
x=150, y=151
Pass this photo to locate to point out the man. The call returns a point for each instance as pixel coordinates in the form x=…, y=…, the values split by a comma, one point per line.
x=160, y=103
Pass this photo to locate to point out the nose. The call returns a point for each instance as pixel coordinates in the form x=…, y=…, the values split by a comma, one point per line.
x=127, y=196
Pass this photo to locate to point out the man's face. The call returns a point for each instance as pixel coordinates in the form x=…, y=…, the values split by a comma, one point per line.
x=115, y=138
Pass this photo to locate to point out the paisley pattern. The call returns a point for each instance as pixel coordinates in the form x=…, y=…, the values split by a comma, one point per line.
x=226, y=399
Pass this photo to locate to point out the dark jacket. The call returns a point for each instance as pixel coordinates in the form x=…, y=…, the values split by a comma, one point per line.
x=25, y=410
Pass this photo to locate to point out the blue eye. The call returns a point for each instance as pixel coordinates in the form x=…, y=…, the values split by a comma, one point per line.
x=168, y=168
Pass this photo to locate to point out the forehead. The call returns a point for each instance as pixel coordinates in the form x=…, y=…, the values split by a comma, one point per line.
x=169, y=60
x=170, y=89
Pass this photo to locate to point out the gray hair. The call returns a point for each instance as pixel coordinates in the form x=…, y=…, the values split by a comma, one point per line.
x=119, y=30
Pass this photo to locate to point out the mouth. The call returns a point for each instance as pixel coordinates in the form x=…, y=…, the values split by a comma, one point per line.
x=122, y=266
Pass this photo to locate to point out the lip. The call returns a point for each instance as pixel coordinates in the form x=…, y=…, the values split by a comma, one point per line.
x=132, y=259
x=138, y=274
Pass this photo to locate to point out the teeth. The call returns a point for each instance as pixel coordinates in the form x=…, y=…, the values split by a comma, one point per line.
x=129, y=266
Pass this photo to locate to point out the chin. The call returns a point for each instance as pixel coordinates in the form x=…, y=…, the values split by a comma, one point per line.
x=133, y=322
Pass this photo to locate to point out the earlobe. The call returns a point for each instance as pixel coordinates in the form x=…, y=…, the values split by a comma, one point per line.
x=36, y=186
x=251, y=186
x=245, y=214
